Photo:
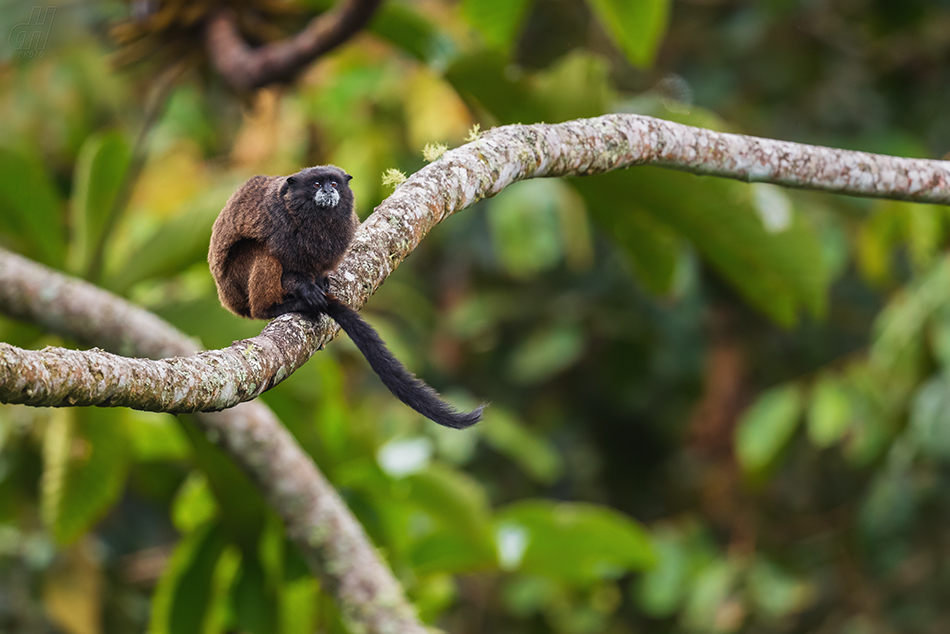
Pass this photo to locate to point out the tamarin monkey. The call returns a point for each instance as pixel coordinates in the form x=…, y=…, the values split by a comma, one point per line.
x=272, y=247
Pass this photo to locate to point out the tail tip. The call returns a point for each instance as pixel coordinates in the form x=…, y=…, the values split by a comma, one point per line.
x=464, y=420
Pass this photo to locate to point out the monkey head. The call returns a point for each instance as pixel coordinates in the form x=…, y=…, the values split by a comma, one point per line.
x=320, y=188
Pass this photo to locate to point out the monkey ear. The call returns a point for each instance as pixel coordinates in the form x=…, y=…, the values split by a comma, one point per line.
x=348, y=177
x=291, y=180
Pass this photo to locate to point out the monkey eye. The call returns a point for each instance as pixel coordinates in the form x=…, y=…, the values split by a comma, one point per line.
x=333, y=184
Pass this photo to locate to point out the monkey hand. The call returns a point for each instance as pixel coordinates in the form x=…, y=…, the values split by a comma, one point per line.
x=312, y=295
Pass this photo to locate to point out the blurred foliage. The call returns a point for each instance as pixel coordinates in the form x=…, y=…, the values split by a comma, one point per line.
x=715, y=407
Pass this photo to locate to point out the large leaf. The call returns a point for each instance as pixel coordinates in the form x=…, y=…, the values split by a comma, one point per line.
x=900, y=326
x=636, y=26
x=413, y=33
x=30, y=207
x=254, y=601
x=930, y=418
x=533, y=452
x=576, y=86
x=525, y=224
x=496, y=20
x=460, y=538
x=777, y=272
x=176, y=245
x=101, y=168
x=185, y=597
x=85, y=460
x=653, y=247
x=481, y=80
x=574, y=542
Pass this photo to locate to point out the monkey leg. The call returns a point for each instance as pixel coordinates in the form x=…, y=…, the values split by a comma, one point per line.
x=264, y=288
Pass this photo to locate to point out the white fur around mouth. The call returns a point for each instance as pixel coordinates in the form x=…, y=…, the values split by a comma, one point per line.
x=324, y=199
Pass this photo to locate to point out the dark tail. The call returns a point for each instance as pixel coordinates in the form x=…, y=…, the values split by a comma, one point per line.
x=400, y=381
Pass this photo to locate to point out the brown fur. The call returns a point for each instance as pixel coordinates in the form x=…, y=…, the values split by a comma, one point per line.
x=270, y=236
x=272, y=247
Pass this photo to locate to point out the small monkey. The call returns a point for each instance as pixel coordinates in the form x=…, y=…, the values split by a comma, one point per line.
x=272, y=247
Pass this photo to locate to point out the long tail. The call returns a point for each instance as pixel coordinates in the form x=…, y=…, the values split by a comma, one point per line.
x=400, y=381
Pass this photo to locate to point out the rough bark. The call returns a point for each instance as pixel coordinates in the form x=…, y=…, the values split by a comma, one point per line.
x=316, y=519
x=246, y=68
x=222, y=378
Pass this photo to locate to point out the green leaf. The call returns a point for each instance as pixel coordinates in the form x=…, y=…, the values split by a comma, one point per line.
x=546, y=353
x=653, y=248
x=487, y=82
x=774, y=592
x=85, y=460
x=662, y=589
x=101, y=168
x=175, y=246
x=889, y=508
x=930, y=417
x=496, y=20
x=900, y=326
x=183, y=600
x=413, y=33
x=777, y=272
x=451, y=496
x=30, y=207
x=298, y=606
x=525, y=222
x=635, y=26
x=460, y=536
x=575, y=542
x=766, y=427
x=240, y=505
x=155, y=437
x=576, y=86
x=829, y=412
x=444, y=552
x=194, y=504
x=711, y=590
x=481, y=80
x=208, y=321
x=254, y=602
x=533, y=452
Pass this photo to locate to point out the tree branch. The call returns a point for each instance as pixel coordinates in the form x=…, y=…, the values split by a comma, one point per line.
x=316, y=519
x=246, y=68
x=222, y=378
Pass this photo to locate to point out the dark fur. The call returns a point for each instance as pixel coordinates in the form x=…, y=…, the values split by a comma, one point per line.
x=272, y=247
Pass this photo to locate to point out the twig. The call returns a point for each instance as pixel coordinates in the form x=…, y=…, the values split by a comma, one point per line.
x=246, y=68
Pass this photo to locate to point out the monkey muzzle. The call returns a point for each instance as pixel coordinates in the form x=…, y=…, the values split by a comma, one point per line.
x=326, y=196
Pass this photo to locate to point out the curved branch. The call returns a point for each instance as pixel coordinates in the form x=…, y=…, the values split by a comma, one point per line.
x=316, y=519
x=222, y=378
x=246, y=68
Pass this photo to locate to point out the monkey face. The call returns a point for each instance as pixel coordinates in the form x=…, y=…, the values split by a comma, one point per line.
x=324, y=186
x=326, y=194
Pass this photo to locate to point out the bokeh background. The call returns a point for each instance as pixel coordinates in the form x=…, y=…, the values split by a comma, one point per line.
x=715, y=407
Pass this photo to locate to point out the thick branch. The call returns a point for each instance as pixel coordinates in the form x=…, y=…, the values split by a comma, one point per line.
x=246, y=68
x=332, y=541
x=222, y=378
